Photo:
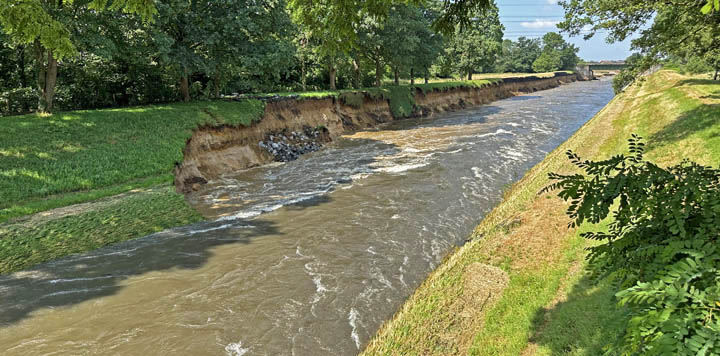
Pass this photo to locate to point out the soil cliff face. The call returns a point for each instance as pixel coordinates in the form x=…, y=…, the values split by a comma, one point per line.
x=292, y=127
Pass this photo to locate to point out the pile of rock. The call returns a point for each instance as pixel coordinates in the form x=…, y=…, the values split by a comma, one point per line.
x=288, y=146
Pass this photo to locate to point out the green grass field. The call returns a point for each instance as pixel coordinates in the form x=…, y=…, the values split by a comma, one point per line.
x=118, y=162
x=84, y=151
x=549, y=306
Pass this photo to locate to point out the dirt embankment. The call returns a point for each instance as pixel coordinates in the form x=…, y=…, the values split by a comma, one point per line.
x=293, y=127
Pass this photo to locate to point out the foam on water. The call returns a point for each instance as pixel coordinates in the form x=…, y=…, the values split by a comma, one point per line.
x=235, y=349
x=352, y=320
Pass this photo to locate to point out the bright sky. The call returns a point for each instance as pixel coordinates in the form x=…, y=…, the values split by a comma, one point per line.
x=533, y=18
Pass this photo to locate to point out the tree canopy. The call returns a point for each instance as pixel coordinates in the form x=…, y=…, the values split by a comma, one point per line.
x=663, y=28
x=476, y=47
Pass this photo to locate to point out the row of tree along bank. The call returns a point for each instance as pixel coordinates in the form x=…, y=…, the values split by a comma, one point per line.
x=182, y=50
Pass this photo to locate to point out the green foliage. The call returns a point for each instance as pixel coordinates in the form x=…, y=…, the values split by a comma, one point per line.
x=354, y=99
x=41, y=22
x=445, y=86
x=24, y=244
x=73, y=151
x=663, y=28
x=546, y=62
x=475, y=48
x=710, y=6
x=661, y=246
x=18, y=101
x=518, y=57
x=556, y=54
x=628, y=75
x=402, y=101
x=697, y=65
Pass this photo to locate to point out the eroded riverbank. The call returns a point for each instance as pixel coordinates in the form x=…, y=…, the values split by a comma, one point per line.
x=290, y=127
x=307, y=257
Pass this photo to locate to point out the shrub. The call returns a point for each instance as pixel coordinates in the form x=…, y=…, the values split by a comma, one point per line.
x=661, y=246
x=354, y=99
x=697, y=65
x=18, y=101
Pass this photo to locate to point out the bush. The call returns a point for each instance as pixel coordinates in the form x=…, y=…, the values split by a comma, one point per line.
x=697, y=65
x=661, y=247
x=18, y=101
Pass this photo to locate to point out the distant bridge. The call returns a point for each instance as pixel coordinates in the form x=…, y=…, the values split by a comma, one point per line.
x=585, y=70
x=619, y=65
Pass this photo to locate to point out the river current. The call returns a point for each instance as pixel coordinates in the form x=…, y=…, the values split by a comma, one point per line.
x=307, y=257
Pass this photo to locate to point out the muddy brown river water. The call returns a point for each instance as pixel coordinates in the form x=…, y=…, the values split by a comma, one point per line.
x=302, y=258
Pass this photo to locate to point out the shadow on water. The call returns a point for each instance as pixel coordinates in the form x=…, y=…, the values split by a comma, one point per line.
x=475, y=115
x=100, y=273
x=583, y=323
x=524, y=97
x=80, y=278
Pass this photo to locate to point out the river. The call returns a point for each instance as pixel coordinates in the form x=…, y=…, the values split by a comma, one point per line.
x=301, y=258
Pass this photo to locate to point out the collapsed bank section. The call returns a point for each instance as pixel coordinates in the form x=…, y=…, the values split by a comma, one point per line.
x=81, y=180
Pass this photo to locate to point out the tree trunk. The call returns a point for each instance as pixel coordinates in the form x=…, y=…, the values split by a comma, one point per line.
x=216, y=82
x=21, y=65
x=47, y=78
x=427, y=76
x=397, y=77
x=412, y=76
x=356, y=68
x=333, y=71
x=717, y=68
x=470, y=73
x=184, y=86
x=378, y=73
x=304, y=76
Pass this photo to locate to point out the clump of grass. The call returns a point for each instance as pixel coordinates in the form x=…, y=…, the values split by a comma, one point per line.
x=402, y=101
x=449, y=85
x=26, y=243
x=42, y=156
x=353, y=98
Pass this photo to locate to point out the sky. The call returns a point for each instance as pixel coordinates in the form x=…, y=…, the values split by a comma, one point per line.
x=533, y=18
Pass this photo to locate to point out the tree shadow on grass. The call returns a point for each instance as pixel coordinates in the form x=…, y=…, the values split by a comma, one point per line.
x=79, y=278
x=699, y=119
x=583, y=324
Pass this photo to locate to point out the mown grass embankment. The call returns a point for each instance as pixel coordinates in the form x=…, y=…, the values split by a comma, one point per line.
x=549, y=306
x=76, y=181
x=48, y=162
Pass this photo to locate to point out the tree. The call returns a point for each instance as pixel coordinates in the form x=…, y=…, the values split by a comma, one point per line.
x=219, y=38
x=476, y=47
x=556, y=54
x=660, y=247
x=518, y=57
x=664, y=28
x=370, y=43
x=429, y=48
x=335, y=23
x=547, y=62
x=44, y=25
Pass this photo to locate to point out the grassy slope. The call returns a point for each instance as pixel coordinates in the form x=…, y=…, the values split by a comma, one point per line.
x=118, y=160
x=549, y=307
x=42, y=156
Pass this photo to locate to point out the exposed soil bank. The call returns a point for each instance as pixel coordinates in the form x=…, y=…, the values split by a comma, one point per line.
x=292, y=127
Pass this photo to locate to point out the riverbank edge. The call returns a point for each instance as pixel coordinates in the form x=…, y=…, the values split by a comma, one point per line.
x=291, y=127
x=527, y=237
x=109, y=215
